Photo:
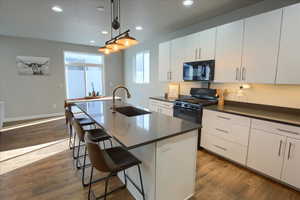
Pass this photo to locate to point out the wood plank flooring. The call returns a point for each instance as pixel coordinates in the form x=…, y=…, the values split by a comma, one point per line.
x=35, y=163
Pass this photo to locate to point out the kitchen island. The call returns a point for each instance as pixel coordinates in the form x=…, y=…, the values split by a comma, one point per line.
x=167, y=147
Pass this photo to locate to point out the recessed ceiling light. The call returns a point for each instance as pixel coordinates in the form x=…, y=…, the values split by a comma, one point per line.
x=104, y=32
x=100, y=8
x=92, y=41
x=187, y=3
x=57, y=9
x=139, y=28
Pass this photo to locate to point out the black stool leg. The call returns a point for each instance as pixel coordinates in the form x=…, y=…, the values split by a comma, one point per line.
x=142, y=187
x=83, y=167
x=74, y=141
x=77, y=158
x=70, y=134
x=106, y=185
x=90, y=184
x=125, y=178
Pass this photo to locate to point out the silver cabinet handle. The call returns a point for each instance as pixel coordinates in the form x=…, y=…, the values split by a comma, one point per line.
x=223, y=117
x=196, y=53
x=286, y=131
x=289, y=154
x=244, y=74
x=280, y=146
x=219, y=147
x=221, y=130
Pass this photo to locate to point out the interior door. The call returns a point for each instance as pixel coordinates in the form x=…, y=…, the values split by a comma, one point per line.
x=261, y=46
x=289, y=59
x=291, y=167
x=266, y=152
x=229, y=52
x=164, y=61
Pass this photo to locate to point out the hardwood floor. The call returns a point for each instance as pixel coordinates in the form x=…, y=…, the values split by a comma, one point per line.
x=35, y=163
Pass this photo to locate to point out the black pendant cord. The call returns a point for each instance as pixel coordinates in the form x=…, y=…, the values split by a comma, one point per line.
x=119, y=15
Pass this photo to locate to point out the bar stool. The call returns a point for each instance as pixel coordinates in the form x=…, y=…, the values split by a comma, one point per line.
x=95, y=135
x=84, y=121
x=112, y=161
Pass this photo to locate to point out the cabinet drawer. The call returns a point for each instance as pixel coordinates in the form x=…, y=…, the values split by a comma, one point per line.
x=273, y=127
x=224, y=148
x=219, y=117
x=232, y=132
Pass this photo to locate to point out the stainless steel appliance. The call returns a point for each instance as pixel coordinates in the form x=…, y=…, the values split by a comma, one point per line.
x=199, y=71
x=191, y=107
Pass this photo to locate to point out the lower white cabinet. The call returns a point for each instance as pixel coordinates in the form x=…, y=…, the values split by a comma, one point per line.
x=267, y=147
x=162, y=107
x=266, y=152
x=226, y=135
x=290, y=173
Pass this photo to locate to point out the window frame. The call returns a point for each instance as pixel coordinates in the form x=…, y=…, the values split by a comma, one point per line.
x=143, y=52
x=85, y=66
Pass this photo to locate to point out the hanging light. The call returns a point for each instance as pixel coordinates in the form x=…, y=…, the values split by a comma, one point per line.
x=127, y=40
x=105, y=50
x=122, y=40
x=114, y=46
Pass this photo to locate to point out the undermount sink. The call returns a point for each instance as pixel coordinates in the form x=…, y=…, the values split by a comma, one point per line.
x=131, y=111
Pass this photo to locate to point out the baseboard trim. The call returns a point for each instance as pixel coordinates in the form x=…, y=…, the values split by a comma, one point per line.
x=11, y=119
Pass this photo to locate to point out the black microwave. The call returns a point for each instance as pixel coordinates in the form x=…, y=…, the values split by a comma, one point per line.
x=199, y=70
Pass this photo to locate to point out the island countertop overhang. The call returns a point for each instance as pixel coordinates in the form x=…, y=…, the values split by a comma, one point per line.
x=132, y=132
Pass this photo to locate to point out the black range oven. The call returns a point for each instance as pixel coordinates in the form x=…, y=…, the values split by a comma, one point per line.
x=190, y=108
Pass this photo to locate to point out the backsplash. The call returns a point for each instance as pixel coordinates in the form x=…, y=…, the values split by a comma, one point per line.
x=276, y=95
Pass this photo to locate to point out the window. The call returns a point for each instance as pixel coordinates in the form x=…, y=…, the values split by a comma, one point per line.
x=84, y=74
x=142, y=67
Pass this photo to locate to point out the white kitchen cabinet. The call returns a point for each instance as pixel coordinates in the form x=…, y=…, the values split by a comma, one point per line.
x=229, y=44
x=201, y=46
x=261, y=46
x=162, y=107
x=289, y=60
x=226, y=135
x=178, y=56
x=164, y=61
x=290, y=173
x=266, y=152
x=207, y=44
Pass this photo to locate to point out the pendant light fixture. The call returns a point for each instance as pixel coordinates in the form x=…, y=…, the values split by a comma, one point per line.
x=122, y=40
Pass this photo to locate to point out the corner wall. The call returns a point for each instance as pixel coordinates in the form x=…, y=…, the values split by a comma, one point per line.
x=37, y=96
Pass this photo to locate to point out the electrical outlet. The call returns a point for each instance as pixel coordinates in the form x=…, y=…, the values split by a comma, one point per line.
x=54, y=106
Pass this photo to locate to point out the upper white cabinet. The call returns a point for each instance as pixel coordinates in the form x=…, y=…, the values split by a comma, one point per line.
x=164, y=60
x=261, y=46
x=201, y=46
x=289, y=59
x=291, y=166
x=229, y=45
x=178, y=57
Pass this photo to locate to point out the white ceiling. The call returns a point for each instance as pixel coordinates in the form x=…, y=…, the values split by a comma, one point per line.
x=81, y=21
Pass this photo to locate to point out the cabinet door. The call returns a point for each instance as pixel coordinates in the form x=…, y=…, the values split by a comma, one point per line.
x=177, y=59
x=164, y=61
x=191, y=51
x=229, y=52
x=289, y=59
x=166, y=111
x=292, y=163
x=266, y=152
x=261, y=45
x=153, y=106
x=206, y=44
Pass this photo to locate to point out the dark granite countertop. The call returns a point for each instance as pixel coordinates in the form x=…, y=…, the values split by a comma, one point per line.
x=170, y=100
x=132, y=132
x=288, y=116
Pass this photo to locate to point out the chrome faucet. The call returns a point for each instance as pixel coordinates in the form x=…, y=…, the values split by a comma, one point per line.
x=114, y=96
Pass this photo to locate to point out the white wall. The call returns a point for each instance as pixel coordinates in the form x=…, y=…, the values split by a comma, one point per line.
x=141, y=93
x=27, y=96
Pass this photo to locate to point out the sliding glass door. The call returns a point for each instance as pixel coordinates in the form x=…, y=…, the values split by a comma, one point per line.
x=84, y=75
